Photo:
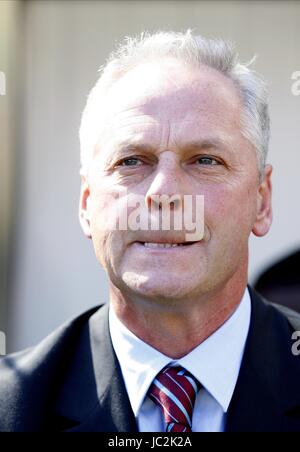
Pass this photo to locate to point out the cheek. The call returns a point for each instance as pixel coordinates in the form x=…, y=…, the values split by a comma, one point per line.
x=108, y=240
x=230, y=208
x=108, y=247
x=103, y=213
x=100, y=208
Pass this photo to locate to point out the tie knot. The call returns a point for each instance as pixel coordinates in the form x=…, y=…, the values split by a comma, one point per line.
x=174, y=390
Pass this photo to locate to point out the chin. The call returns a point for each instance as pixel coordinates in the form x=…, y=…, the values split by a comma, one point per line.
x=166, y=287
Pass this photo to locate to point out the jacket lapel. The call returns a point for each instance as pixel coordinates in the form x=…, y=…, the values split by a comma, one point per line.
x=267, y=396
x=94, y=397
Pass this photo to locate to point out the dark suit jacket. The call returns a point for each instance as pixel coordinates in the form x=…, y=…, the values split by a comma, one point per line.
x=72, y=381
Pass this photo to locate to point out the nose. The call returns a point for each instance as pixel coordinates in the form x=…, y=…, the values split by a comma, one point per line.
x=167, y=186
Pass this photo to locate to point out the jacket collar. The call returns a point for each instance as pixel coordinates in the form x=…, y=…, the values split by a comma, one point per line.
x=266, y=397
x=94, y=397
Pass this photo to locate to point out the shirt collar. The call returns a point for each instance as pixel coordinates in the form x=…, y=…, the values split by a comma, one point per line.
x=215, y=362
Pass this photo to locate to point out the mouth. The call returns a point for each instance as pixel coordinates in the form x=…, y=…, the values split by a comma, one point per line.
x=166, y=245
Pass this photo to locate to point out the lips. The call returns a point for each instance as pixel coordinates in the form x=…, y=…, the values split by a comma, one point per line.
x=162, y=245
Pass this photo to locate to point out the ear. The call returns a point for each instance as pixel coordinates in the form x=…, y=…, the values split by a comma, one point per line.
x=83, y=207
x=264, y=205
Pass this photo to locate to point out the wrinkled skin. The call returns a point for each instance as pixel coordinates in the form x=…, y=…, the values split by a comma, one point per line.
x=185, y=124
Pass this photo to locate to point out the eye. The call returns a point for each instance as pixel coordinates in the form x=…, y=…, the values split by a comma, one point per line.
x=131, y=161
x=207, y=161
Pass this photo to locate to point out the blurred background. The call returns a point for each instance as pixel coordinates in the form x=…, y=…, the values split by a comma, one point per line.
x=50, y=52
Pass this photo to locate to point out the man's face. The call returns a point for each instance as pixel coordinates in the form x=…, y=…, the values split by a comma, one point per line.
x=170, y=129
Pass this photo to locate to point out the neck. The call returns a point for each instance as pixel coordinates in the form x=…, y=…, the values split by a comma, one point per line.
x=176, y=328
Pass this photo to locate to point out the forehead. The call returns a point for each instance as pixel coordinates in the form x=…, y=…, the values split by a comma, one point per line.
x=170, y=98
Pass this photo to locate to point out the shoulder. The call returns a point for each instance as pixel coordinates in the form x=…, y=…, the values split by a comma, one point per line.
x=275, y=328
x=266, y=397
x=291, y=316
x=28, y=379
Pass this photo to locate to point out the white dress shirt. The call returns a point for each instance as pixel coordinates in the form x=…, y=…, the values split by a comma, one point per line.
x=215, y=363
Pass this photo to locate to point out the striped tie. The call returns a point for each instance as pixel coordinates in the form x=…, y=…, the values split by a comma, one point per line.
x=174, y=390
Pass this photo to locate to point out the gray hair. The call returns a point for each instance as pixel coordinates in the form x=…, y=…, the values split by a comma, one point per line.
x=193, y=50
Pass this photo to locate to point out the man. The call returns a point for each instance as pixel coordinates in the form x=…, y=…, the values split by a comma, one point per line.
x=184, y=345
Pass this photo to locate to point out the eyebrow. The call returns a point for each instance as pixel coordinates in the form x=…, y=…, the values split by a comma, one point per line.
x=124, y=148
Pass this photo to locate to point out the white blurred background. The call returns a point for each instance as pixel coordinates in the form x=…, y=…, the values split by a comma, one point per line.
x=50, y=52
